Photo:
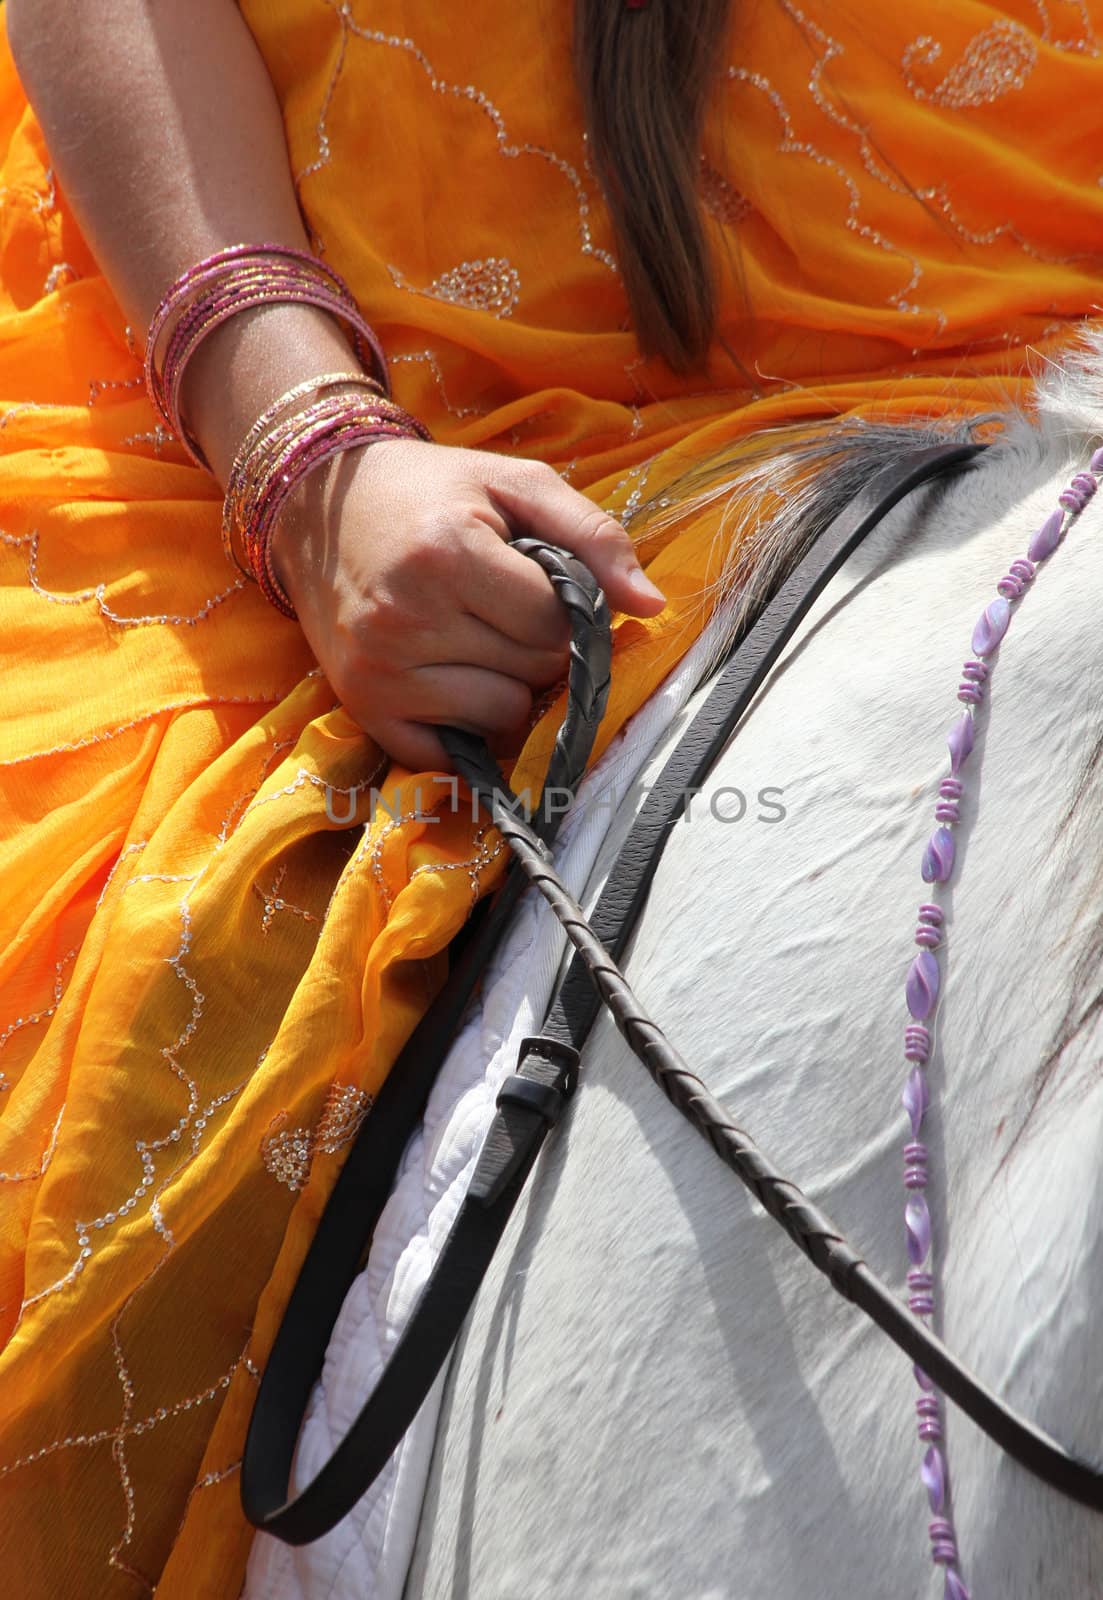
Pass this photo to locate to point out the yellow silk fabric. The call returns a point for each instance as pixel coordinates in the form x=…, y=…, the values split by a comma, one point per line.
x=206, y=967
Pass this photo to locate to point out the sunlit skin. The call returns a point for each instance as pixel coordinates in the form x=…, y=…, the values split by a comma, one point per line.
x=395, y=556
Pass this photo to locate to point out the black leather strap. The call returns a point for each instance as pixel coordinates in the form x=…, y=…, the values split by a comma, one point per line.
x=522, y=1121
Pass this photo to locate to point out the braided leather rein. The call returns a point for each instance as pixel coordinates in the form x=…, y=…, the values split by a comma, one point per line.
x=531, y=1099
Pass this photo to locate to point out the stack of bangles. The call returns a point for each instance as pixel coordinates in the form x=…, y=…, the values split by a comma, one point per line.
x=304, y=427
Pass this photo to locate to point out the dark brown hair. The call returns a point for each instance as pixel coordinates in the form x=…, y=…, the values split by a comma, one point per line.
x=644, y=74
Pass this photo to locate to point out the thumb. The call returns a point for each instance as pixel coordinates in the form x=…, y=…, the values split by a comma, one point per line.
x=535, y=500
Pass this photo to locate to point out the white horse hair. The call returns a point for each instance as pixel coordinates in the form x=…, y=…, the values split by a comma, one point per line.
x=656, y=1396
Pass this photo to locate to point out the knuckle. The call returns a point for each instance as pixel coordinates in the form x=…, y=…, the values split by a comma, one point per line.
x=605, y=531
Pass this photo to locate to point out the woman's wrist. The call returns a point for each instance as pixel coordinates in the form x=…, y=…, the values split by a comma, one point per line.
x=245, y=365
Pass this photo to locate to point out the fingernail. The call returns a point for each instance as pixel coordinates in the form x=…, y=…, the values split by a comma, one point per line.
x=641, y=585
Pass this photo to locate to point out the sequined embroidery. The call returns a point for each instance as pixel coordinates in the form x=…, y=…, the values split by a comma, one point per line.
x=274, y=901
x=1087, y=43
x=996, y=62
x=433, y=364
x=721, y=198
x=81, y=596
x=288, y=1153
x=460, y=91
x=492, y=285
x=57, y=275
x=791, y=145
x=34, y=1017
x=934, y=195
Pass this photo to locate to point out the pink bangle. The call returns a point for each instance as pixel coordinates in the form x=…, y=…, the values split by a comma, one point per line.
x=282, y=448
x=280, y=407
x=234, y=280
x=353, y=438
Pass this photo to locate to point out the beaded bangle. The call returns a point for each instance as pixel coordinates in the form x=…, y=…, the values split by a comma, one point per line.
x=281, y=450
x=235, y=280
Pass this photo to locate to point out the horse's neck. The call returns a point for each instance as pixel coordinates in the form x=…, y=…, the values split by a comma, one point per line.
x=739, y=1430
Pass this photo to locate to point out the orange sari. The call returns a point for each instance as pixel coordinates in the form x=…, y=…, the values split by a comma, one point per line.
x=205, y=967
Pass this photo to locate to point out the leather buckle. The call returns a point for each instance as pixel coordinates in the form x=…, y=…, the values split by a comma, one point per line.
x=530, y=1102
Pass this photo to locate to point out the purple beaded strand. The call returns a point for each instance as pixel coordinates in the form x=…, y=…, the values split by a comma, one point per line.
x=922, y=987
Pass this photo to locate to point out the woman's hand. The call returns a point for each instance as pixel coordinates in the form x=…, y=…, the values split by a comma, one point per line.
x=397, y=560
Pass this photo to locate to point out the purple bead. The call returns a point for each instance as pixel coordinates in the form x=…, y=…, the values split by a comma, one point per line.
x=930, y=1432
x=927, y=938
x=1047, y=538
x=928, y=911
x=1072, y=500
x=960, y=741
x=933, y=1473
x=1022, y=568
x=991, y=627
x=970, y=694
x=950, y=789
x=955, y=1589
x=1085, y=482
x=938, y=858
x=1096, y=462
x=921, y=989
x=922, y=1379
x=917, y=1228
x=916, y=1098
x=921, y=1301
x=1010, y=587
x=975, y=671
x=946, y=811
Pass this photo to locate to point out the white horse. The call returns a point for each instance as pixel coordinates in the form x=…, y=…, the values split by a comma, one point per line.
x=656, y=1396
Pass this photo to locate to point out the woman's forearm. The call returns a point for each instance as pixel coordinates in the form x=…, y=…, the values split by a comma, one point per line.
x=167, y=139
x=166, y=136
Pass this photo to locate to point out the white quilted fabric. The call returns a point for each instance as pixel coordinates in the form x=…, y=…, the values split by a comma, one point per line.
x=366, y=1556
